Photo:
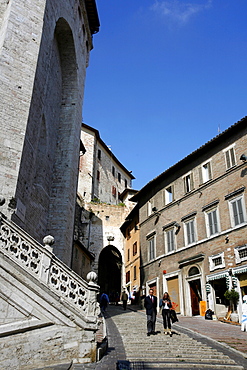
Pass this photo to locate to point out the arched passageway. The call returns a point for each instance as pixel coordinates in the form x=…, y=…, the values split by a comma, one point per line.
x=109, y=272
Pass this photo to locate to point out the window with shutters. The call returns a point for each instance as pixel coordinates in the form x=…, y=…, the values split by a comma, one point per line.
x=169, y=194
x=188, y=182
x=237, y=211
x=170, y=240
x=212, y=222
x=230, y=158
x=190, y=231
x=151, y=248
x=127, y=277
x=134, y=272
x=205, y=172
x=134, y=248
x=150, y=205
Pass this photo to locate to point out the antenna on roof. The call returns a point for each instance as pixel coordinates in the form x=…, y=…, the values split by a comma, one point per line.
x=219, y=130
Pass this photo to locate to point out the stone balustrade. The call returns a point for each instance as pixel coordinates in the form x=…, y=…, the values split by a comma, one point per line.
x=41, y=263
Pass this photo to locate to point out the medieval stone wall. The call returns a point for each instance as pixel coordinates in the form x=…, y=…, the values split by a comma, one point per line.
x=44, y=51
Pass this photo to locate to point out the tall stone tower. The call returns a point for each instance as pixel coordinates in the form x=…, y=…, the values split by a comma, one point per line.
x=44, y=52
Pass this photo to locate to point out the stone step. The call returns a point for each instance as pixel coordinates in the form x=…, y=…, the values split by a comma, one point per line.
x=182, y=358
x=161, y=351
x=137, y=365
x=215, y=358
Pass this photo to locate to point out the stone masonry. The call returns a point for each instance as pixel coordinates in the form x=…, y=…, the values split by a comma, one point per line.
x=44, y=52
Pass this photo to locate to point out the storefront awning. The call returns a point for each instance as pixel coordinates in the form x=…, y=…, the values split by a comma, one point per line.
x=218, y=276
x=240, y=270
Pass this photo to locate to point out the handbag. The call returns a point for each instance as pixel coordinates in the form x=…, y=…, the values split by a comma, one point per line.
x=173, y=316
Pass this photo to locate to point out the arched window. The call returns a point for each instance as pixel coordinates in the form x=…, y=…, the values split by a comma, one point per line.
x=193, y=271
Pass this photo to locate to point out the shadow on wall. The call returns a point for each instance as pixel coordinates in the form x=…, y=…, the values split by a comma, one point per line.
x=88, y=231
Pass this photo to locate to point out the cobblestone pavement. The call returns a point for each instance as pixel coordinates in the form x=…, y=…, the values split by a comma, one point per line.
x=228, y=334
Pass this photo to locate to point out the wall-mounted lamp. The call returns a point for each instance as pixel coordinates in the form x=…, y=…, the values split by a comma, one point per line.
x=227, y=239
x=110, y=238
x=243, y=157
x=177, y=226
x=154, y=209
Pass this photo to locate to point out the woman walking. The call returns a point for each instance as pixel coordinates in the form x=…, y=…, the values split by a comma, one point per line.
x=166, y=305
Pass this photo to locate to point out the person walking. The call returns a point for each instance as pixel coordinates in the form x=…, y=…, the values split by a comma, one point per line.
x=166, y=305
x=124, y=298
x=104, y=300
x=150, y=303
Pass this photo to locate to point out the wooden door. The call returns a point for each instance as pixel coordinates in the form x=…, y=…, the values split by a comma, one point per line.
x=195, y=298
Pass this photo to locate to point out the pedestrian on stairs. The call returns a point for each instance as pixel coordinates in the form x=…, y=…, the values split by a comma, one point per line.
x=150, y=303
x=166, y=305
x=124, y=298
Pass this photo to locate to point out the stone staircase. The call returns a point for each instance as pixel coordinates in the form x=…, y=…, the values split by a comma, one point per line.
x=48, y=314
x=164, y=352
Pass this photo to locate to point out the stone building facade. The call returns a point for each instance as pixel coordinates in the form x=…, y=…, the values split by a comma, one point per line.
x=193, y=225
x=44, y=52
x=102, y=177
x=104, y=190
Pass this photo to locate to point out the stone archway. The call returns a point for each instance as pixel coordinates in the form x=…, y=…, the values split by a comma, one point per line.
x=109, y=271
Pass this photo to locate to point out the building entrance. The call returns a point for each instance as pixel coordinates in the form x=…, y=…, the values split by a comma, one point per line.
x=195, y=296
x=109, y=272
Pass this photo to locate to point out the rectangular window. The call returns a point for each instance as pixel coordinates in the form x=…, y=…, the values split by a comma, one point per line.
x=212, y=222
x=170, y=240
x=127, y=277
x=216, y=261
x=113, y=171
x=99, y=154
x=205, y=172
x=241, y=253
x=169, y=195
x=114, y=191
x=98, y=175
x=128, y=255
x=188, y=183
x=151, y=248
x=119, y=177
x=149, y=207
x=134, y=248
x=190, y=235
x=134, y=272
x=237, y=211
x=230, y=157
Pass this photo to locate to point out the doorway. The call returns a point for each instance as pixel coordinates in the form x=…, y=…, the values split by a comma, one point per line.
x=109, y=272
x=195, y=296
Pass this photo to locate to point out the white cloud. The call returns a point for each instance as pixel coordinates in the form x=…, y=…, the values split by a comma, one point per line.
x=179, y=10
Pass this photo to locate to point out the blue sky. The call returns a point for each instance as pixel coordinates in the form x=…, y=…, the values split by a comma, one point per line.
x=164, y=77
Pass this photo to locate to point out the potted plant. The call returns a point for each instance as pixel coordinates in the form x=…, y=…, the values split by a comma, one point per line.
x=233, y=297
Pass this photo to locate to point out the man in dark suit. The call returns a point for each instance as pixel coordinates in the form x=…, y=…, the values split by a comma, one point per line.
x=150, y=303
